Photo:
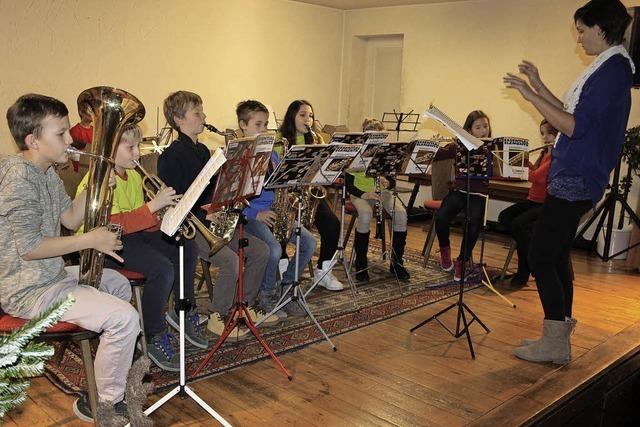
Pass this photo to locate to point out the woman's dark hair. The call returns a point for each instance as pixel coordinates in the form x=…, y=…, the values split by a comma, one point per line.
x=472, y=117
x=288, y=126
x=610, y=15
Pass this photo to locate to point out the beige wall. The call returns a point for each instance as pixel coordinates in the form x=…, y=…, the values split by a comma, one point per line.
x=455, y=55
x=225, y=50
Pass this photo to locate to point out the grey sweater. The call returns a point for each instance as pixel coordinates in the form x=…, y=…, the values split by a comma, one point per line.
x=31, y=203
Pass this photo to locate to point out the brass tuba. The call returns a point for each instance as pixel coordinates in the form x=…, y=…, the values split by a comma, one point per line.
x=111, y=110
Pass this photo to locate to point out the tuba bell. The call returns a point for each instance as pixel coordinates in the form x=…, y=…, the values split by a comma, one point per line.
x=111, y=110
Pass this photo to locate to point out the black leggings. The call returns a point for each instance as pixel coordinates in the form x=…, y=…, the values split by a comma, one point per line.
x=452, y=204
x=550, y=254
x=328, y=226
x=519, y=220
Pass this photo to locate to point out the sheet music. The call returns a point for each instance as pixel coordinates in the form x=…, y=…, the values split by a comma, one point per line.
x=348, y=138
x=259, y=163
x=512, y=156
x=388, y=159
x=469, y=141
x=363, y=158
x=341, y=156
x=421, y=158
x=174, y=216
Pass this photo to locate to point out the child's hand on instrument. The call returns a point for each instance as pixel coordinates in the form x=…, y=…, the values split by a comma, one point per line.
x=267, y=217
x=371, y=195
x=165, y=197
x=105, y=241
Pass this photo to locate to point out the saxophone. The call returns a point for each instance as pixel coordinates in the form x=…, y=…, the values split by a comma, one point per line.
x=151, y=184
x=285, y=206
x=111, y=110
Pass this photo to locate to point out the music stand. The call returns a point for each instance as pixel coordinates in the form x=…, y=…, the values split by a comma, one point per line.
x=402, y=122
x=171, y=224
x=299, y=165
x=462, y=325
x=242, y=177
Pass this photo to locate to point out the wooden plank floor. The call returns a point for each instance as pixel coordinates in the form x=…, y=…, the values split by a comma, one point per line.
x=384, y=376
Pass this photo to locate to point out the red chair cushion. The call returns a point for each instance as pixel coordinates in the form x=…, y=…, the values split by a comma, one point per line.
x=432, y=204
x=9, y=324
x=130, y=275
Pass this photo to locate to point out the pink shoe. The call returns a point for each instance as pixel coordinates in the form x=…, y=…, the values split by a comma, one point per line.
x=457, y=274
x=445, y=258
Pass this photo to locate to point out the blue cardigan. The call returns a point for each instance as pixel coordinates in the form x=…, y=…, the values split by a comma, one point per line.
x=601, y=118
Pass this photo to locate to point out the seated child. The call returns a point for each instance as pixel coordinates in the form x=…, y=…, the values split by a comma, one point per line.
x=178, y=166
x=520, y=218
x=33, y=206
x=361, y=190
x=148, y=251
x=478, y=125
x=253, y=119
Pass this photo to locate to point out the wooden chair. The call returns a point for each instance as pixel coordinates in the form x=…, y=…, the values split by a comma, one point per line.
x=64, y=332
x=137, y=280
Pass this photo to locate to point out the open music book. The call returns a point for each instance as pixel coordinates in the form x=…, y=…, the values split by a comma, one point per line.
x=174, y=216
x=469, y=141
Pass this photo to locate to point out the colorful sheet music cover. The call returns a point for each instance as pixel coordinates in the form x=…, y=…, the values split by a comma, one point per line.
x=388, y=159
x=341, y=156
x=348, y=138
x=368, y=150
x=512, y=158
x=422, y=153
x=231, y=178
x=481, y=166
x=300, y=163
x=259, y=163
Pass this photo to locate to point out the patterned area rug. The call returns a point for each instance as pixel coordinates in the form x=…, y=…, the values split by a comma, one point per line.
x=381, y=298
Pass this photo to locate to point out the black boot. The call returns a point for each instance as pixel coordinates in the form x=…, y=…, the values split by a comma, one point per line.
x=360, y=246
x=521, y=277
x=397, y=267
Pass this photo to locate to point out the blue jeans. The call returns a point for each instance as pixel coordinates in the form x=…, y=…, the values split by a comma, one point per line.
x=307, y=246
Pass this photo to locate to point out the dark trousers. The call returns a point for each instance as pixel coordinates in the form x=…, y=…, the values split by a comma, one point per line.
x=453, y=203
x=550, y=257
x=328, y=226
x=519, y=220
x=158, y=258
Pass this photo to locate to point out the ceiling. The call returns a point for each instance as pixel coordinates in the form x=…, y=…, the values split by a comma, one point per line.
x=363, y=4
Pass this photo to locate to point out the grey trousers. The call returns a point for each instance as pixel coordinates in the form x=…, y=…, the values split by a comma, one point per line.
x=105, y=310
x=226, y=260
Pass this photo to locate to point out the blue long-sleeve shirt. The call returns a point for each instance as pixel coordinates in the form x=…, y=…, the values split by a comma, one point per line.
x=593, y=150
x=264, y=200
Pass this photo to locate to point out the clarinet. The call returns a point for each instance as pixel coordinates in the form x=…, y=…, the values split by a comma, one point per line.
x=379, y=213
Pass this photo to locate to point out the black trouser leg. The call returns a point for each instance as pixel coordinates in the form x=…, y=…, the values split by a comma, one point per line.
x=328, y=226
x=549, y=254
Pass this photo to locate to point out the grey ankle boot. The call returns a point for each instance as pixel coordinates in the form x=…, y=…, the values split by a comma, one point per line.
x=573, y=321
x=553, y=346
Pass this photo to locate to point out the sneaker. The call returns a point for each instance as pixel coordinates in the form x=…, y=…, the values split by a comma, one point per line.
x=445, y=258
x=362, y=276
x=283, y=264
x=457, y=275
x=216, y=326
x=329, y=281
x=161, y=352
x=192, y=329
x=268, y=301
x=258, y=314
x=400, y=272
x=82, y=408
x=294, y=309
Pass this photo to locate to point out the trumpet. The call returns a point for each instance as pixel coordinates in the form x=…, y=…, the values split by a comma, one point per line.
x=151, y=184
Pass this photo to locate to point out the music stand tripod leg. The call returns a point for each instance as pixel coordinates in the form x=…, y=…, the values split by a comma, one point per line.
x=239, y=315
x=182, y=389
